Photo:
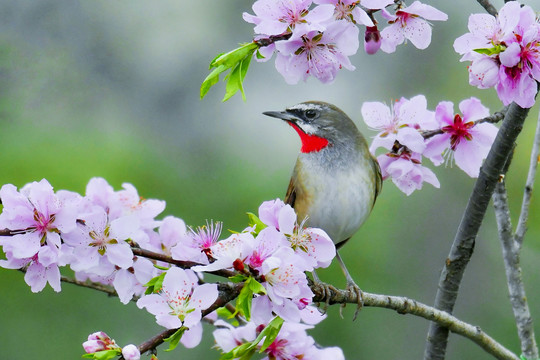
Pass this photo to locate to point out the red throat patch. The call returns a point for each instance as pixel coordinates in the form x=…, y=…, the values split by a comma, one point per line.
x=310, y=143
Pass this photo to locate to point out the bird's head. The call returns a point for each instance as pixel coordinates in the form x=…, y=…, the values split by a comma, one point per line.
x=319, y=125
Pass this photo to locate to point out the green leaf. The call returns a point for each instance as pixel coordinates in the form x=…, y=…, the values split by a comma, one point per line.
x=245, y=351
x=255, y=286
x=155, y=284
x=233, y=57
x=212, y=79
x=243, y=301
x=522, y=357
x=255, y=221
x=238, y=60
x=238, y=278
x=271, y=332
x=103, y=355
x=174, y=339
x=497, y=49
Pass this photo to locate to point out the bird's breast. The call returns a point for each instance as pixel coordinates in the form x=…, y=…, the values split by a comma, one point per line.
x=335, y=199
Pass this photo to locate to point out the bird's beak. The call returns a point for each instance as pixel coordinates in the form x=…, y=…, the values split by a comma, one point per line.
x=283, y=115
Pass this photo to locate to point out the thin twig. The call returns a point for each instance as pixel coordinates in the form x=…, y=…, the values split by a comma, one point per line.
x=463, y=244
x=516, y=288
x=181, y=264
x=527, y=194
x=493, y=119
x=486, y=4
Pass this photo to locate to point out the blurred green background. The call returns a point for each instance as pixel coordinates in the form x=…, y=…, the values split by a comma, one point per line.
x=111, y=89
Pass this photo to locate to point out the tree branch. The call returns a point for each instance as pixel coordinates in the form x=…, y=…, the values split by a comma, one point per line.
x=181, y=264
x=527, y=194
x=463, y=245
x=516, y=288
x=402, y=305
x=493, y=119
x=486, y=4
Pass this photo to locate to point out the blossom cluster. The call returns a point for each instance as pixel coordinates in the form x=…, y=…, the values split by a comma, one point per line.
x=318, y=40
x=403, y=132
x=504, y=52
x=292, y=342
x=97, y=234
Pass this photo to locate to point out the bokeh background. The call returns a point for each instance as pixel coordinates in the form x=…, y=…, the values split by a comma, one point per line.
x=111, y=89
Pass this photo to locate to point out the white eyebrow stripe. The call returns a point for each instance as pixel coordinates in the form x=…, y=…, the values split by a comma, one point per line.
x=304, y=107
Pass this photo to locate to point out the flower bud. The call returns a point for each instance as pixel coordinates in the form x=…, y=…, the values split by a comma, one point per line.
x=131, y=352
x=372, y=40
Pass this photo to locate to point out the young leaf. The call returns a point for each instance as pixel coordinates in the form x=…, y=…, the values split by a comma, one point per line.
x=271, y=332
x=155, y=284
x=174, y=339
x=255, y=221
x=238, y=60
x=103, y=355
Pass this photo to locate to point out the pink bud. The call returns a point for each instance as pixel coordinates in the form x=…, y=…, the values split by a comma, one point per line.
x=131, y=352
x=372, y=40
x=92, y=346
x=99, y=335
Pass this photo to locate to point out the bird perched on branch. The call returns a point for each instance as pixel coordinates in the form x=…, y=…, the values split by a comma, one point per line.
x=336, y=180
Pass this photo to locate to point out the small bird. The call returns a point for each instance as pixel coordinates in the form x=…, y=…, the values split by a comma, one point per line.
x=336, y=180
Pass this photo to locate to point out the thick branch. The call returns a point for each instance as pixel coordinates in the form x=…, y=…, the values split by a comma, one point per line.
x=463, y=245
x=527, y=194
x=516, y=288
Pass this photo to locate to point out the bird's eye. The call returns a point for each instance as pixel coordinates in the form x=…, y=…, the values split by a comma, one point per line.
x=311, y=114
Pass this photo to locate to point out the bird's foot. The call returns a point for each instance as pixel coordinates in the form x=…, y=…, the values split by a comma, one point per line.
x=355, y=289
x=326, y=290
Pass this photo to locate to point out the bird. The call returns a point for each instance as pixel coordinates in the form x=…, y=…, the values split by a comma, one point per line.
x=336, y=180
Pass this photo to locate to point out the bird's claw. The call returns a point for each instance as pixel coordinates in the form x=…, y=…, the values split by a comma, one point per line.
x=353, y=288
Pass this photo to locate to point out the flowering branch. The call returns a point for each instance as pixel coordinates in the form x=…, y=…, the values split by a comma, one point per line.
x=227, y=292
x=463, y=245
x=486, y=4
x=181, y=264
x=492, y=119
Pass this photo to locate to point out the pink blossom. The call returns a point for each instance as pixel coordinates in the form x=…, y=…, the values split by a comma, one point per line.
x=406, y=171
x=400, y=122
x=180, y=302
x=196, y=244
x=98, y=241
x=321, y=54
x=348, y=10
x=468, y=144
x=37, y=216
x=274, y=17
x=504, y=52
x=131, y=352
x=267, y=242
x=410, y=23
x=285, y=277
x=227, y=251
